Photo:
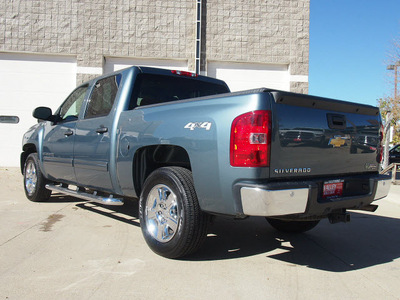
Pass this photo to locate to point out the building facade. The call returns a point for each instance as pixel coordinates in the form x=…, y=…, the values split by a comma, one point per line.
x=48, y=47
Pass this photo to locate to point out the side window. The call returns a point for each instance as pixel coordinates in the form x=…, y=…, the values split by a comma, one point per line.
x=102, y=98
x=71, y=107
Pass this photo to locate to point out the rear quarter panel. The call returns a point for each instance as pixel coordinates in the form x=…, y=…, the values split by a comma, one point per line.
x=208, y=148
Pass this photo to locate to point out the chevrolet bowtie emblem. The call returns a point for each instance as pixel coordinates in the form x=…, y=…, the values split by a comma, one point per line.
x=337, y=142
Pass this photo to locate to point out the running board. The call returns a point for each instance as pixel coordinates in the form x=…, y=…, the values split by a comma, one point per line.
x=85, y=196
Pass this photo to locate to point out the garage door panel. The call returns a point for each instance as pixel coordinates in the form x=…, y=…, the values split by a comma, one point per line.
x=244, y=76
x=28, y=102
x=30, y=63
x=29, y=81
x=39, y=82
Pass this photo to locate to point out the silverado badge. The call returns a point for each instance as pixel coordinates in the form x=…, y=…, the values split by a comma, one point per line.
x=292, y=171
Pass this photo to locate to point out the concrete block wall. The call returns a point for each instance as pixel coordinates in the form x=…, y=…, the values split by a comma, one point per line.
x=93, y=29
x=267, y=31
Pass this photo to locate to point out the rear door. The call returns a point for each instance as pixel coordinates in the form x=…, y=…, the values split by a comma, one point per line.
x=92, y=140
x=317, y=136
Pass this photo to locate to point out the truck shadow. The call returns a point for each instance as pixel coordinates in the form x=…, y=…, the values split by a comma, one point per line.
x=128, y=213
x=366, y=241
x=61, y=198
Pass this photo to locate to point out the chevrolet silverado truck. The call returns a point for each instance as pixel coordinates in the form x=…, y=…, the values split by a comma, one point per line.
x=189, y=149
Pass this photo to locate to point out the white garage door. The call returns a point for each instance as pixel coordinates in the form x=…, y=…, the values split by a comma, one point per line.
x=244, y=76
x=115, y=63
x=28, y=81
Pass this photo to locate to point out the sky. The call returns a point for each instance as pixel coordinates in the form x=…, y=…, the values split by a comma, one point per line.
x=350, y=43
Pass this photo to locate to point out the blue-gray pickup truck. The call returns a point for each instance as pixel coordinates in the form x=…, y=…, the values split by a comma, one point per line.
x=189, y=149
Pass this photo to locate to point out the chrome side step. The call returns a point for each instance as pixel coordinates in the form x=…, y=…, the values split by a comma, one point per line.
x=84, y=195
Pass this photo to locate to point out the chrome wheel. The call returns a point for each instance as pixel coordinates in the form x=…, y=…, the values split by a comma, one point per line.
x=162, y=214
x=30, y=178
x=34, y=181
x=171, y=220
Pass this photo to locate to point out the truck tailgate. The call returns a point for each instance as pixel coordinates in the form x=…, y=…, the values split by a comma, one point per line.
x=316, y=136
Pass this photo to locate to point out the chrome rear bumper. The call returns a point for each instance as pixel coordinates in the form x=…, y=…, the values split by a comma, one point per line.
x=260, y=202
x=382, y=189
x=268, y=202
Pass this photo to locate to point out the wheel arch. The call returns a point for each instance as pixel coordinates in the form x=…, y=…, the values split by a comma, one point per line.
x=26, y=150
x=149, y=158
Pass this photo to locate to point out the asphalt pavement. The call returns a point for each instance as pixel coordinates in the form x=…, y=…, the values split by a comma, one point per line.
x=70, y=249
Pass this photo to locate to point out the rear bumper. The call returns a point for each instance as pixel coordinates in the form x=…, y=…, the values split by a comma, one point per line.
x=302, y=199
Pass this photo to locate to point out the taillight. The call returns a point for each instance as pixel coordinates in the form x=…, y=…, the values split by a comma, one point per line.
x=183, y=73
x=251, y=139
x=379, y=156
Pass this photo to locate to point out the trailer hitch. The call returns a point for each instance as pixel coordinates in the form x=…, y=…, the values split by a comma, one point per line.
x=339, y=217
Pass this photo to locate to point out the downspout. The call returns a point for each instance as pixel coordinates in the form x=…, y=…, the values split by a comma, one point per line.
x=199, y=26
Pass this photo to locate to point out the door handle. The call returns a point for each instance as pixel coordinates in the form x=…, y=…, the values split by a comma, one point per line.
x=69, y=132
x=102, y=130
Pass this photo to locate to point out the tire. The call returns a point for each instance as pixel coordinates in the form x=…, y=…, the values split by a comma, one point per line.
x=34, y=181
x=292, y=226
x=171, y=220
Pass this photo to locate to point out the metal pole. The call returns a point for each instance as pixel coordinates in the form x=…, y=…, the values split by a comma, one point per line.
x=199, y=26
x=394, y=68
x=395, y=82
x=386, y=133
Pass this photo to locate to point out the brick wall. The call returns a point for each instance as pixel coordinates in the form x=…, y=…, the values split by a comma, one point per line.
x=268, y=31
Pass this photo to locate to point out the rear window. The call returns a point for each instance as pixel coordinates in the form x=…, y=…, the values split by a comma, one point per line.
x=153, y=89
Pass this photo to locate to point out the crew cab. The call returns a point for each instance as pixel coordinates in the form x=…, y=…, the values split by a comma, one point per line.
x=189, y=149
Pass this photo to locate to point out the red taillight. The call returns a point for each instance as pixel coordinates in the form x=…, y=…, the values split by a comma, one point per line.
x=379, y=157
x=183, y=73
x=251, y=139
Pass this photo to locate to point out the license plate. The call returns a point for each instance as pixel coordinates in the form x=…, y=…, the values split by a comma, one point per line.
x=333, y=189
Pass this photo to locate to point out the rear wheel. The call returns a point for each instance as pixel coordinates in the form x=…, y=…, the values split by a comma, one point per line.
x=292, y=226
x=34, y=182
x=172, y=222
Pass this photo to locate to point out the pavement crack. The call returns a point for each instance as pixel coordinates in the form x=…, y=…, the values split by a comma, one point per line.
x=49, y=225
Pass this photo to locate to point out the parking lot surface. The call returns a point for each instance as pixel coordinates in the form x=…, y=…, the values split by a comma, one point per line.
x=70, y=249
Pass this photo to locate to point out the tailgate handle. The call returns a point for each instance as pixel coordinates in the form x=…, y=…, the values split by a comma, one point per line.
x=336, y=121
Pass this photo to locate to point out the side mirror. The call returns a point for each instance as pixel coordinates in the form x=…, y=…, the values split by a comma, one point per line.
x=43, y=113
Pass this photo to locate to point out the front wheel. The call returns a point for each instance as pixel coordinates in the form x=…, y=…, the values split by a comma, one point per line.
x=34, y=181
x=292, y=226
x=171, y=220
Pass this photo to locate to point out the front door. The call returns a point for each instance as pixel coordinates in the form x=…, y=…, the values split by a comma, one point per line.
x=59, y=136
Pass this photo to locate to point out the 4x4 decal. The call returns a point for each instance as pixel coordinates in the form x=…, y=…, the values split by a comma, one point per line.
x=201, y=125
